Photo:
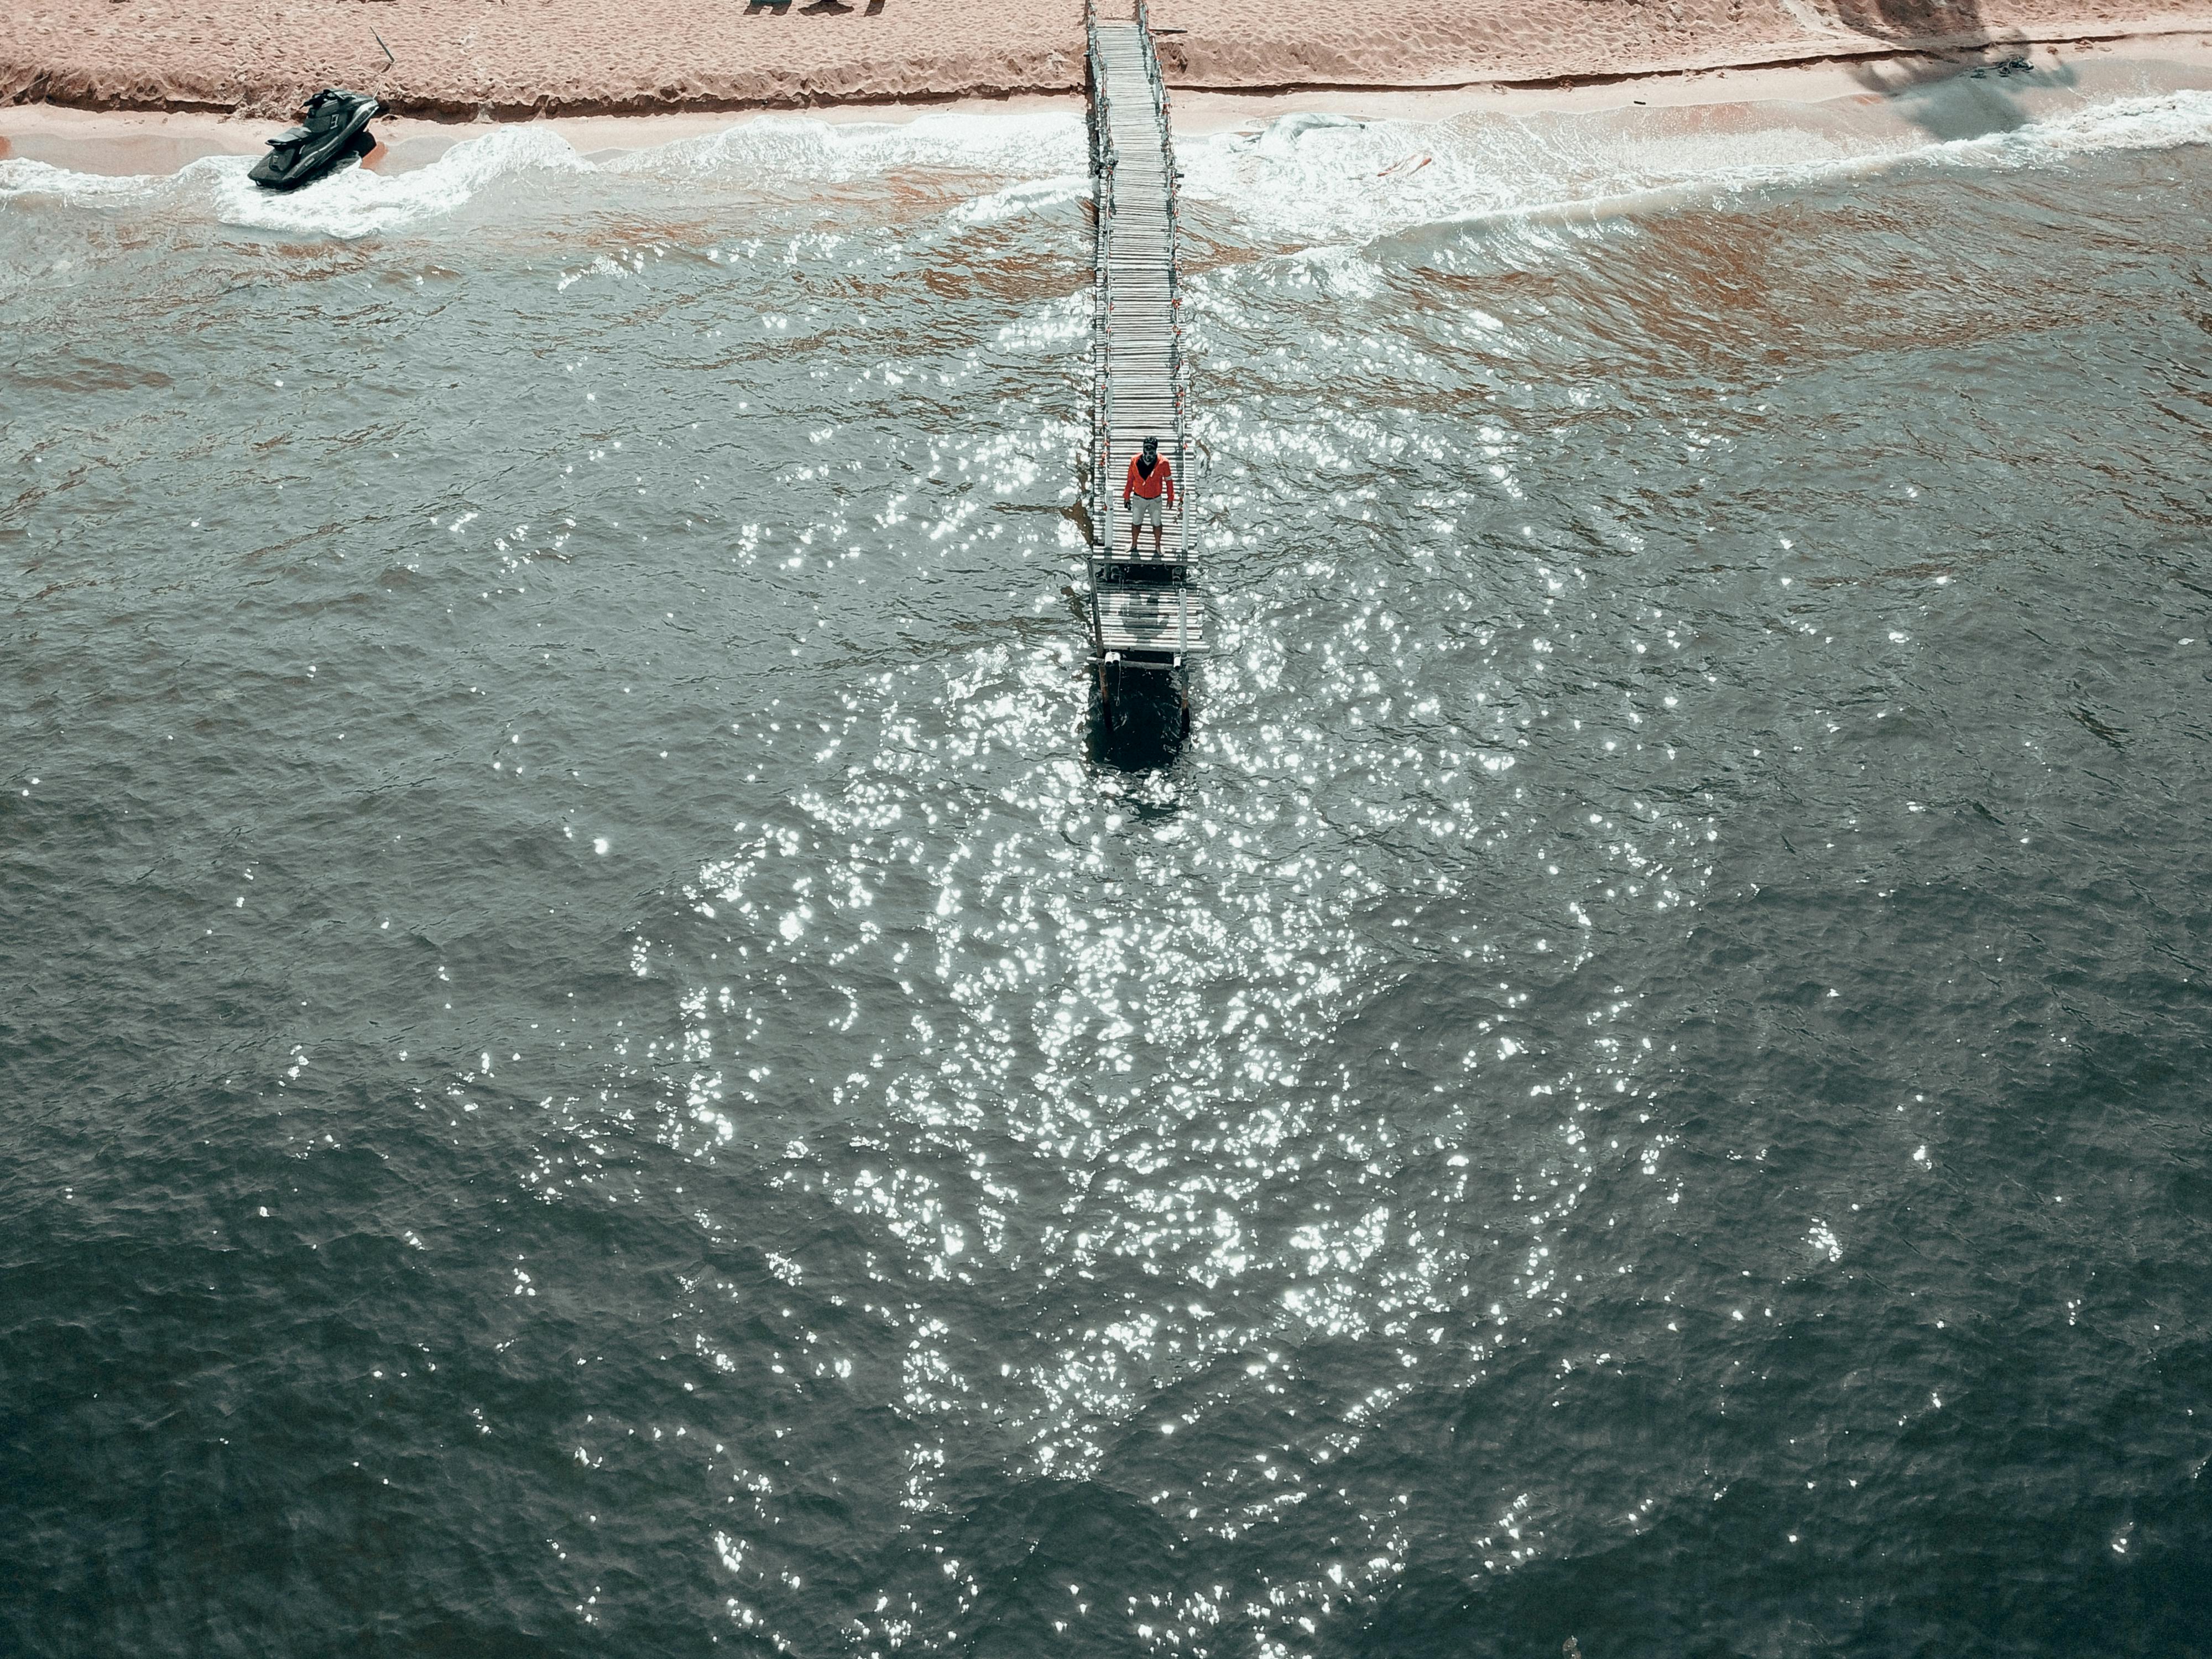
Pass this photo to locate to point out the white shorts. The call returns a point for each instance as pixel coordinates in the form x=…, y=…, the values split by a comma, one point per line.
x=1145, y=509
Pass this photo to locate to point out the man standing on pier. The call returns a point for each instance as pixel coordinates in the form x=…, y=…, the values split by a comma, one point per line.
x=1140, y=496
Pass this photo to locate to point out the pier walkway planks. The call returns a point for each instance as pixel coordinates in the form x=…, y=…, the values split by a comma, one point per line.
x=1147, y=607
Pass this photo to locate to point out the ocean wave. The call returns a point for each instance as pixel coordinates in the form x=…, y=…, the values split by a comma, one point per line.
x=1307, y=179
x=1032, y=195
x=2165, y=121
x=787, y=149
x=354, y=202
x=18, y=177
x=350, y=202
x=778, y=150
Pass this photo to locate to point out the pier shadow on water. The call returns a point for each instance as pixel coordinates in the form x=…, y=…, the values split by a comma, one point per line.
x=1138, y=718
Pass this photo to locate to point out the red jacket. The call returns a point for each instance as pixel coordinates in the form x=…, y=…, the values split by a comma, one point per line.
x=1163, y=475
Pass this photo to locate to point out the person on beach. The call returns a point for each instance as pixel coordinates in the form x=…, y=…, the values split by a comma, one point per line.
x=1140, y=495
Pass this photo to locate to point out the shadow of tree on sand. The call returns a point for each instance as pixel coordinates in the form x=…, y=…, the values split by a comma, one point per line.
x=1956, y=74
x=1910, y=20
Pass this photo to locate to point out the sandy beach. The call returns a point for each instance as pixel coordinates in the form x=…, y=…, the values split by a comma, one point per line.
x=95, y=135
x=461, y=60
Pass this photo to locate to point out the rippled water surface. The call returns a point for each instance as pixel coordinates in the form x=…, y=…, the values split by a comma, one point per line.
x=590, y=1069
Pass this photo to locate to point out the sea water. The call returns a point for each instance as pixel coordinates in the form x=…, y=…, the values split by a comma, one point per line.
x=591, y=1067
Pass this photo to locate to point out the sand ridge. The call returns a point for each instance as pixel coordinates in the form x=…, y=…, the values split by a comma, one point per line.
x=511, y=58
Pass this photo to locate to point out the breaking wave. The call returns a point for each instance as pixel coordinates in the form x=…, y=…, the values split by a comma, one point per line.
x=773, y=151
x=1302, y=179
x=1315, y=179
x=352, y=202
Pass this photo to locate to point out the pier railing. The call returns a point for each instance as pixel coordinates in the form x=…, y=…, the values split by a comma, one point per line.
x=1146, y=609
x=1102, y=167
x=1158, y=79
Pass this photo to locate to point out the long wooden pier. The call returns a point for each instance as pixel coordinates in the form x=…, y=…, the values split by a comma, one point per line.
x=1147, y=608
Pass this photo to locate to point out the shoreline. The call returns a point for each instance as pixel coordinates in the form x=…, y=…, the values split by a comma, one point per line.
x=134, y=141
x=473, y=61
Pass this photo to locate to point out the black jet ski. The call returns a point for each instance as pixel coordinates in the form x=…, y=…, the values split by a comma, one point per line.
x=336, y=130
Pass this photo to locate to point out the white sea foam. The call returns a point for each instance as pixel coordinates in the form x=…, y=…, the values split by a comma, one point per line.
x=783, y=149
x=1307, y=180
x=1303, y=179
x=18, y=177
x=2162, y=122
x=1045, y=152
x=352, y=202
x=1032, y=195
